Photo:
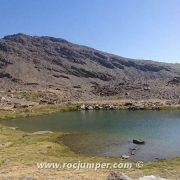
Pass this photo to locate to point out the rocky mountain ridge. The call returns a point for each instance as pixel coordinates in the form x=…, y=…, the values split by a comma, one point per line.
x=32, y=63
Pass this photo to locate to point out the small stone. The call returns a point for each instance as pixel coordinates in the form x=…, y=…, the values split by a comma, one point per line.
x=125, y=156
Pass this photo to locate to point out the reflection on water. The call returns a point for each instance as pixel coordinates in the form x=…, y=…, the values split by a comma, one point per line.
x=110, y=133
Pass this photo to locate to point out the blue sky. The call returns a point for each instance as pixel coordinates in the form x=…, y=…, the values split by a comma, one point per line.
x=145, y=29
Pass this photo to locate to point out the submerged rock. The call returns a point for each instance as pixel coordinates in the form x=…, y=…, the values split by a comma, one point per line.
x=133, y=149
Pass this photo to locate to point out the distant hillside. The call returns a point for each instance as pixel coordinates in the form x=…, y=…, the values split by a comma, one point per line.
x=79, y=72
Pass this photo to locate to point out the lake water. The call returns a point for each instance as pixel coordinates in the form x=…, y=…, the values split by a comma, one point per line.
x=110, y=133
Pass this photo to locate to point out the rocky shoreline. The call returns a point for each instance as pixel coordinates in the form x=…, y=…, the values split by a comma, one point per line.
x=133, y=105
x=12, y=100
x=12, y=103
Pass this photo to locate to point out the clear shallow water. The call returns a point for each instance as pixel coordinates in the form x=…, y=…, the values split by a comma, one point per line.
x=110, y=133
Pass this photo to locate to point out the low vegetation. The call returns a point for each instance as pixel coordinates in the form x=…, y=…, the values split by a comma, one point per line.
x=35, y=111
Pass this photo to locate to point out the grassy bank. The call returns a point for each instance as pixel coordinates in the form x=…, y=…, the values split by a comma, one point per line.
x=20, y=152
x=35, y=111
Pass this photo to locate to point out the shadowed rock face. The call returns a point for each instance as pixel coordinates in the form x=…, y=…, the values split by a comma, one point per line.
x=36, y=63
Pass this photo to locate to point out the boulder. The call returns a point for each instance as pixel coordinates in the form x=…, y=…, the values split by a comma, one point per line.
x=157, y=108
x=97, y=107
x=90, y=107
x=108, y=106
x=125, y=156
x=83, y=107
x=112, y=107
x=133, y=108
x=138, y=141
x=117, y=176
